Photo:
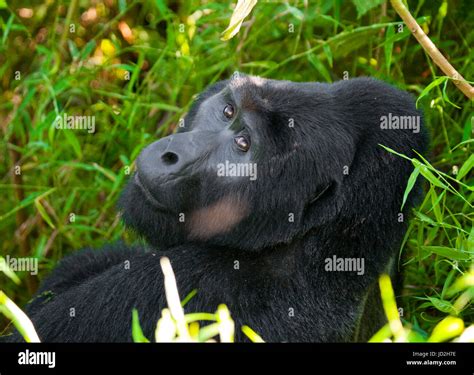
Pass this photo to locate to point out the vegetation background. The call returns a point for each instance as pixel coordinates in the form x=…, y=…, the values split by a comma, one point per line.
x=136, y=65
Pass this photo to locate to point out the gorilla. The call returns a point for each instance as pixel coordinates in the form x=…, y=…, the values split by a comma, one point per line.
x=275, y=198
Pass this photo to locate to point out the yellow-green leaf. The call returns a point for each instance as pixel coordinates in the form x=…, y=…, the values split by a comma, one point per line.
x=448, y=252
x=242, y=10
x=410, y=184
x=8, y=271
x=466, y=167
x=22, y=323
x=137, y=333
x=43, y=212
x=447, y=329
x=251, y=334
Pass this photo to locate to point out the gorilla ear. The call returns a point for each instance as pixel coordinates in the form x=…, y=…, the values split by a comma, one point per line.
x=319, y=193
x=340, y=158
x=325, y=203
x=323, y=206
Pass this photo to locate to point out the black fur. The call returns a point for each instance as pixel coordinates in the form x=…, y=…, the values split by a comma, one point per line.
x=281, y=288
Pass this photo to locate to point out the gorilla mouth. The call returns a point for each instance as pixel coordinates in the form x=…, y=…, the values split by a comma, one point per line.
x=153, y=201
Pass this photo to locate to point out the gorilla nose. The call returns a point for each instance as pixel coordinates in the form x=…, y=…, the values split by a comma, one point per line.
x=170, y=157
x=161, y=161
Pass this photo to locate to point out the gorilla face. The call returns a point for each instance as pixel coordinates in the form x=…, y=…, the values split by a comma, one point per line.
x=256, y=163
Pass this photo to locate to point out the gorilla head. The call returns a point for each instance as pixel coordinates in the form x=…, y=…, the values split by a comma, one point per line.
x=259, y=162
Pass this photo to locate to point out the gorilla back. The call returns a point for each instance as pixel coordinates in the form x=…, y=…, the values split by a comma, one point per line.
x=275, y=198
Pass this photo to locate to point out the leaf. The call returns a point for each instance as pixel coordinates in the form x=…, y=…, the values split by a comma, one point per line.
x=396, y=153
x=242, y=10
x=260, y=64
x=438, y=81
x=428, y=175
x=464, y=282
x=441, y=305
x=319, y=66
x=388, y=47
x=7, y=28
x=448, y=281
x=28, y=97
x=43, y=212
x=252, y=335
x=466, y=167
x=88, y=48
x=328, y=53
x=445, y=95
x=186, y=299
x=122, y=4
x=73, y=49
x=443, y=9
x=390, y=308
x=466, y=135
x=363, y=6
x=346, y=42
x=163, y=9
x=137, y=333
x=208, y=332
x=448, y=328
x=381, y=335
x=448, y=252
x=43, y=50
x=73, y=142
x=30, y=199
x=470, y=240
x=435, y=204
x=8, y=271
x=295, y=12
x=396, y=37
x=106, y=172
x=22, y=323
x=410, y=184
x=194, y=317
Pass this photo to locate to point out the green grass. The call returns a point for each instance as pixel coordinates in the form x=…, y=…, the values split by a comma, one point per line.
x=64, y=197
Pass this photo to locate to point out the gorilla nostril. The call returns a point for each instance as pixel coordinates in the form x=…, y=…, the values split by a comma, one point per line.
x=169, y=158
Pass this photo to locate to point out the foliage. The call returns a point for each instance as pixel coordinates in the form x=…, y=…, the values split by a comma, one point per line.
x=450, y=328
x=136, y=66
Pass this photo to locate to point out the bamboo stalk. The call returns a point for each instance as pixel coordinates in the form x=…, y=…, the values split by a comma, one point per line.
x=431, y=49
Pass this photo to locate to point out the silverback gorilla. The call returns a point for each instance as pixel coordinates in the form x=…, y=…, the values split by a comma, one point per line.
x=274, y=198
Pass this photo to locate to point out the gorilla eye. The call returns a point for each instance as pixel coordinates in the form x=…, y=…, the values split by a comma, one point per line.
x=229, y=111
x=242, y=143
